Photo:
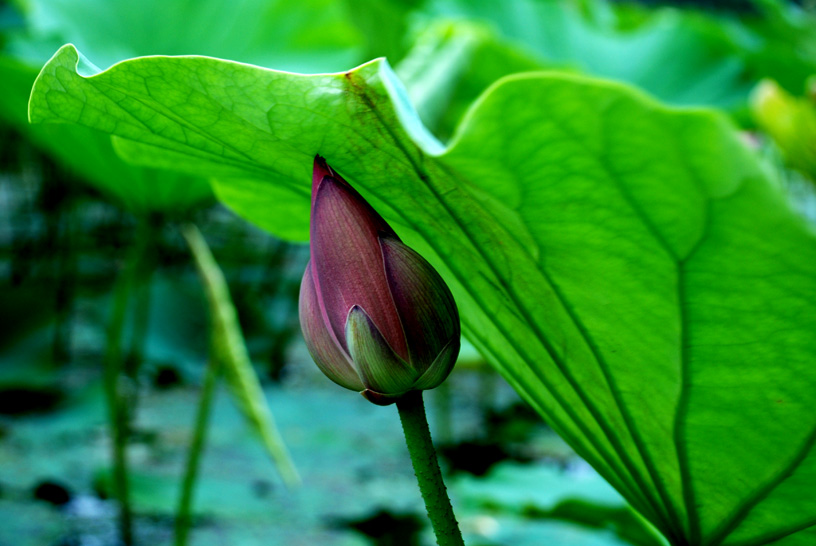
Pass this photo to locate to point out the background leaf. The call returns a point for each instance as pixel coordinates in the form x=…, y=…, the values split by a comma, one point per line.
x=790, y=121
x=313, y=35
x=680, y=57
x=450, y=64
x=90, y=154
x=579, y=496
x=307, y=35
x=627, y=267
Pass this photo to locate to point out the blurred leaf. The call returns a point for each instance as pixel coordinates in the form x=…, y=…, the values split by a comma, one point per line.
x=578, y=496
x=507, y=488
x=790, y=121
x=627, y=267
x=228, y=346
x=679, y=56
x=156, y=493
x=383, y=23
x=308, y=35
x=89, y=153
x=682, y=56
x=778, y=43
x=450, y=64
x=504, y=530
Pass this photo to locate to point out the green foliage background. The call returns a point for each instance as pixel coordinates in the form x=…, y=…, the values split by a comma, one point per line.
x=631, y=268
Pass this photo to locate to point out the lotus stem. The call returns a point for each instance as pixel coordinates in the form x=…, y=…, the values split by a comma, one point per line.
x=119, y=389
x=211, y=374
x=426, y=467
x=142, y=291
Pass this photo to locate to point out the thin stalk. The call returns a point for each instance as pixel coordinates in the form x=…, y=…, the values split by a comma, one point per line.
x=183, y=518
x=140, y=294
x=118, y=389
x=230, y=348
x=426, y=467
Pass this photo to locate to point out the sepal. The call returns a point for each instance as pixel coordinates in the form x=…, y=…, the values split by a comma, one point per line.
x=380, y=368
x=441, y=367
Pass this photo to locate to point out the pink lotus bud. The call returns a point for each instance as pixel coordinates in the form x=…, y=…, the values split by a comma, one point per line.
x=377, y=318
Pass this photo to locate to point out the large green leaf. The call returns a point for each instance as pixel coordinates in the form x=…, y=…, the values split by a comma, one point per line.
x=312, y=35
x=90, y=154
x=627, y=267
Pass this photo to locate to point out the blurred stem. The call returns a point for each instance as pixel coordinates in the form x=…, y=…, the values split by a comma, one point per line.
x=196, y=448
x=426, y=467
x=119, y=389
x=229, y=347
x=140, y=314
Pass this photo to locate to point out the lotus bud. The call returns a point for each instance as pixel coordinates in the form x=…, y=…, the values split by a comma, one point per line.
x=376, y=316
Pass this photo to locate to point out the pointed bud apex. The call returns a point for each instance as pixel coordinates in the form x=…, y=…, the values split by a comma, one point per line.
x=377, y=318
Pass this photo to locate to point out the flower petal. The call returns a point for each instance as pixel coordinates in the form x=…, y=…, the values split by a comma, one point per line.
x=380, y=368
x=441, y=367
x=347, y=261
x=424, y=302
x=323, y=346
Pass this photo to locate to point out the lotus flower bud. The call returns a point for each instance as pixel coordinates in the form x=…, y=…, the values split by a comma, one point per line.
x=376, y=316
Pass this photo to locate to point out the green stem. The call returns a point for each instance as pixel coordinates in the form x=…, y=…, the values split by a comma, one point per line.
x=229, y=346
x=426, y=467
x=119, y=389
x=196, y=449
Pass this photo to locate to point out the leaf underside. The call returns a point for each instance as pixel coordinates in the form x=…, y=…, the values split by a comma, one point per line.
x=627, y=267
x=89, y=154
